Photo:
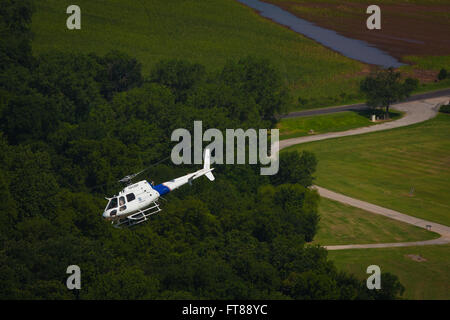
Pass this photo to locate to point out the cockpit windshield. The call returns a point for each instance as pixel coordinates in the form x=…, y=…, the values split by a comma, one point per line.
x=112, y=204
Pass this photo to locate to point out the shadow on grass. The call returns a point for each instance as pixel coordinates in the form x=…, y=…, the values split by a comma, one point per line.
x=379, y=114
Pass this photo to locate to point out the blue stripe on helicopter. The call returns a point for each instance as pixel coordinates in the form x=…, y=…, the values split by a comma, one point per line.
x=162, y=189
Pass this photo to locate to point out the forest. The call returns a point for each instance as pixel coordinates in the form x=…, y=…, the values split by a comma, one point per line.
x=71, y=124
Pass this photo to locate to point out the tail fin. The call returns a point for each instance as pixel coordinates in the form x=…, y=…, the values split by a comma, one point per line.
x=207, y=164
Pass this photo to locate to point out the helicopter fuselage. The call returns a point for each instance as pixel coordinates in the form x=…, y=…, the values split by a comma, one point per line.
x=130, y=200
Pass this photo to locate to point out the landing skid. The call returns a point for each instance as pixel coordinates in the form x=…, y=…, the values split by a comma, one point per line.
x=138, y=217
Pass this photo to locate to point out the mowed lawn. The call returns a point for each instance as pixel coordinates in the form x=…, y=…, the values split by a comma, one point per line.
x=207, y=32
x=343, y=224
x=423, y=279
x=405, y=169
x=340, y=121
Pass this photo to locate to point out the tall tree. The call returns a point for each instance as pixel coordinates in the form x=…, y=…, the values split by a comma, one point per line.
x=296, y=168
x=258, y=79
x=120, y=73
x=15, y=33
x=385, y=87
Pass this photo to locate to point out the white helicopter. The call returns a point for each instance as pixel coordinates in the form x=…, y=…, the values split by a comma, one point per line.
x=136, y=202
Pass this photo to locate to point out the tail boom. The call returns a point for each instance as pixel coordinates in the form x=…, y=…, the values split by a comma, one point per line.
x=168, y=186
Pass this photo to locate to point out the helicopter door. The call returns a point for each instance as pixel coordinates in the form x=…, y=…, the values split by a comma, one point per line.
x=122, y=206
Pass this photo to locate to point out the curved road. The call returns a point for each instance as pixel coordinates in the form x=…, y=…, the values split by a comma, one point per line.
x=443, y=230
x=415, y=112
x=362, y=106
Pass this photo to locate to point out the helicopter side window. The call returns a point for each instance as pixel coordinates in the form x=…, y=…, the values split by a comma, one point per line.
x=121, y=201
x=112, y=204
x=130, y=197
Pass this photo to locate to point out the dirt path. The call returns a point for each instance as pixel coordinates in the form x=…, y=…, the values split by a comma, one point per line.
x=415, y=112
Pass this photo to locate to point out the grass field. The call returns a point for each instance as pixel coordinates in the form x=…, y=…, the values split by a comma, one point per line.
x=341, y=121
x=427, y=67
x=405, y=169
x=208, y=32
x=429, y=62
x=423, y=280
x=342, y=224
